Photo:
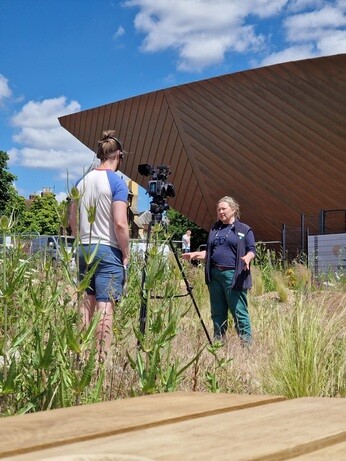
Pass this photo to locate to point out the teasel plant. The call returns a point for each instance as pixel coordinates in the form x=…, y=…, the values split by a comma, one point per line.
x=6, y=223
x=83, y=341
x=157, y=367
x=47, y=361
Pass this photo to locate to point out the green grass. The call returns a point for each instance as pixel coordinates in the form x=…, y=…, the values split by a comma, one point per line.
x=47, y=362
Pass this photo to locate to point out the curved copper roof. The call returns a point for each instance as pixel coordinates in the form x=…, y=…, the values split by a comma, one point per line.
x=273, y=137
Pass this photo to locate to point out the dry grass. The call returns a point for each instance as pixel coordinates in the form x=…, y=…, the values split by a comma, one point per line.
x=230, y=368
x=294, y=322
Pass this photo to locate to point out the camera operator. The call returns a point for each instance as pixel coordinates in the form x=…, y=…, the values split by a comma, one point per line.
x=103, y=228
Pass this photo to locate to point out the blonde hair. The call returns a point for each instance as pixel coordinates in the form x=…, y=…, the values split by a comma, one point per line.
x=108, y=146
x=232, y=203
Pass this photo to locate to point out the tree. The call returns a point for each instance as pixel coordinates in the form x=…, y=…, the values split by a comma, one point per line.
x=42, y=216
x=6, y=180
x=179, y=224
x=16, y=207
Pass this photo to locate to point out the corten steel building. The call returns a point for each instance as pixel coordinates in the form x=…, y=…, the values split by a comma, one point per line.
x=273, y=137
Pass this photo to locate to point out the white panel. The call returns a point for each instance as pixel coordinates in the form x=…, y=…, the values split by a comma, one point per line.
x=327, y=253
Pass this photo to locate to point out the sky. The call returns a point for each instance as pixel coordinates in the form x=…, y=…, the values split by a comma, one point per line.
x=59, y=57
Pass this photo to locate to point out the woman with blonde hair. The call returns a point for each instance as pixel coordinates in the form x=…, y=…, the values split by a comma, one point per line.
x=230, y=250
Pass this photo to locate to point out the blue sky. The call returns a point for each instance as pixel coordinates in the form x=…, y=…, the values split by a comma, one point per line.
x=62, y=56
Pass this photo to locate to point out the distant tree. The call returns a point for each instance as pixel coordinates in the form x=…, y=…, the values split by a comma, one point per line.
x=16, y=207
x=6, y=180
x=179, y=224
x=42, y=216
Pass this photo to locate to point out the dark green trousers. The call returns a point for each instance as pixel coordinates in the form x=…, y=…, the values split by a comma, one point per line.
x=223, y=299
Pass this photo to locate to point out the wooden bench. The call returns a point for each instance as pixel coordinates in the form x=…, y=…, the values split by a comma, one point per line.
x=182, y=426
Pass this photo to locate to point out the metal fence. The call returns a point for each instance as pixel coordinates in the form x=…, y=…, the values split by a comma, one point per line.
x=332, y=222
x=294, y=239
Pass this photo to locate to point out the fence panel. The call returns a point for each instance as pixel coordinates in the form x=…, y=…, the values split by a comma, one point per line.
x=327, y=253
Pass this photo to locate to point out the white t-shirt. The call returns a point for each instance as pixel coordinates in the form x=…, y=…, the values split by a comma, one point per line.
x=100, y=188
x=186, y=242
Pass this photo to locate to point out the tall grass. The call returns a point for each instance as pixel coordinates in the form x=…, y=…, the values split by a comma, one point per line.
x=47, y=361
x=308, y=354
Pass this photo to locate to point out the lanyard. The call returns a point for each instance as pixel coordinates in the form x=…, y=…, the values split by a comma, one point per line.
x=220, y=228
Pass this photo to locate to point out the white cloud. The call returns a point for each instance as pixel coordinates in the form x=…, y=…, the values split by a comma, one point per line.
x=333, y=43
x=294, y=53
x=313, y=33
x=314, y=25
x=299, y=5
x=44, y=144
x=201, y=31
x=44, y=114
x=60, y=197
x=263, y=8
x=215, y=48
x=204, y=32
x=119, y=33
x=5, y=90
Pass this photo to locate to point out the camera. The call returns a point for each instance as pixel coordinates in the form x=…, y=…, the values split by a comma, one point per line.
x=158, y=188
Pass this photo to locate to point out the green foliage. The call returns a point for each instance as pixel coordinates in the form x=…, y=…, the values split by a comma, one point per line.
x=6, y=180
x=157, y=368
x=298, y=277
x=48, y=361
x=219, y=369
x=43, y=348
x=16, y=205
x=179, y=224
x=269, y=263
x=42, y=216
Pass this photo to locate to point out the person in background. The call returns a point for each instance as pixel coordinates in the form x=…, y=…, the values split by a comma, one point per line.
x=103, y=227
x=230, y=250
x=186, y=242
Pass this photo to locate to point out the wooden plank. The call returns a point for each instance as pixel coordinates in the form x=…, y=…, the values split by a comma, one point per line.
x=276, y=431
x=332, y=453
x=20, y=434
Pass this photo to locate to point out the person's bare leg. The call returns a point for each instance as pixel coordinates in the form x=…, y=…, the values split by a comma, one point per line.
x=104, y=332
x=87, y=309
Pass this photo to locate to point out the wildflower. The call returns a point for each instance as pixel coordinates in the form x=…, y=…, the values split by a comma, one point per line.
x=6, y=222
x=74, y=193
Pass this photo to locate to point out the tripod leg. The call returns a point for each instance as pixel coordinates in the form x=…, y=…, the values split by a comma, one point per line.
x=144, y=298
x=189, y=290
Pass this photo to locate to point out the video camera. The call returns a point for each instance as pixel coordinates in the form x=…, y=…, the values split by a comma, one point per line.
x=158, y=188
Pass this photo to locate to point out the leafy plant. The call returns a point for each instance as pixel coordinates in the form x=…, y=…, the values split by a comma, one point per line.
x=47, y=360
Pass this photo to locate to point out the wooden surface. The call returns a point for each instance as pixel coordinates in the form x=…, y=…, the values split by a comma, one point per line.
x=182, y=426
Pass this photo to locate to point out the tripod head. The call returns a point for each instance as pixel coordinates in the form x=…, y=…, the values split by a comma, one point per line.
x=158, y=188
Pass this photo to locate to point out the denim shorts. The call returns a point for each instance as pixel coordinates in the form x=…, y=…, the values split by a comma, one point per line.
x=107, y=281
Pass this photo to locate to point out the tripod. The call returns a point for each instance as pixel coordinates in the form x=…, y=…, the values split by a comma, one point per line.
x=144, y=298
